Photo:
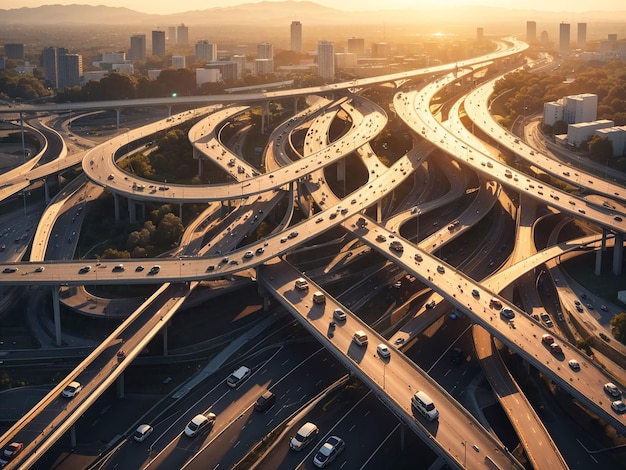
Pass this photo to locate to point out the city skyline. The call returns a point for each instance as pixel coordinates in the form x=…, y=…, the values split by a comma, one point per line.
x=145, y=6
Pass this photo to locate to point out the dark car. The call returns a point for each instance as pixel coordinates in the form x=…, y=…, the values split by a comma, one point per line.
x=265, y=401
x=457, y=356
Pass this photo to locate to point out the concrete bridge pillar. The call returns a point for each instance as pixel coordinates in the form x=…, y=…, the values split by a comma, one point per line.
x=132, y=211
x=618, y=253
x=379, y=211
x=119, y=386
x=117, y=118
x=165, y=329
x=46, y=190
x=116, y=203
x=73, y=436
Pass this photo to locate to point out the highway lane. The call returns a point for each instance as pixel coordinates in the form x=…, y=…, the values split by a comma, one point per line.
x=394, y=380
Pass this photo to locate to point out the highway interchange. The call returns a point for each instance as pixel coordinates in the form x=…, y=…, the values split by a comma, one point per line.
x=254, y=188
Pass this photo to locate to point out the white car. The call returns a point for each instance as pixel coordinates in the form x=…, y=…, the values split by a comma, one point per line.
x=198, y=423
x=248, y=254
x=612, y=389
x=339, y=314
x=72, y=389
x=329, y=451
x=618, y=406
x=383, y=351
x=238, y=376
x=142, y=432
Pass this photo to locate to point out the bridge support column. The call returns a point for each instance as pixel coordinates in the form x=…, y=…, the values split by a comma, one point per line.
x=116, y=203
x=379, y=211
x=341, y=174
x=56, y=309
x=169, y=110
x=119, y=386
x=117, y=118
x=295, y=105
x=265, y=113
x=199, y=164
x=132, y=211
x=165, y=328
x=598, y=268
x=46, y=190
x=180, y=211
x=266, y=303
x=73, y=436
x=618, y=253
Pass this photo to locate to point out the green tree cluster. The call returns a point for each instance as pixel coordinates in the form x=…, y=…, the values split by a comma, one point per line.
x=22, y=86
x=618, y=327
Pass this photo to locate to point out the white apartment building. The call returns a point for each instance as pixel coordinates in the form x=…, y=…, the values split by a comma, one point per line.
x=572, y=109
x=178, y=61
x=206, y=50
x=617, y=136
x=208, y=76
x=326, y=60
x=582, y=131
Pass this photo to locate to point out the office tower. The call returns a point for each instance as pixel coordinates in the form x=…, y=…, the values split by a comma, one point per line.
x=480, y=32
x=564, y=39
x=356, y=46
x=296, y=36
x=137, y=47
x=326, y=60
x=229, y=69
x=171, y=35
x=240, y=60
x=380, y=50
x=178, y=61
x=581, y=40
x=182, y=34
x=263, y=66
x=158, y=43
x=206, y=50
x=50, y=66
x=14, y=51
x=71, y=66
x=531, y=31
x=265, y=51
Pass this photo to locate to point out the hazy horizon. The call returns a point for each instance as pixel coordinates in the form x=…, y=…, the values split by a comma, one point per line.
x=150, y=7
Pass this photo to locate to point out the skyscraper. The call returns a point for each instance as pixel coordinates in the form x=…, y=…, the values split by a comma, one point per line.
x=296, y=36
x=50, y=66
x=531, y=31
x=182, y=34
x=171, y=34
x=265, y=51
x=581, y=39
x=206, y=50
x=158, y=43
x=137, y=47
x=60, y=68
x=356, y=46
x=326, y=60
x=564, y=39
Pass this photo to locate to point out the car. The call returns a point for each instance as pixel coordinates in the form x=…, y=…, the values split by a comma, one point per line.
x=604, y=336
x=381, y=238
x=118, y=268
x=293, y=234
x=39, y=269
x=617, y=218
x=210, y=268
x=397, y=284
x=332, y=215
x=344, y=211
x=339, y=314
x=547, y=339
x=604, y=308
x=612, y=389
x=142, y=432
x=305, y=435
x=10, y=452
x=414, y=209
x=546, y=319
x=301, y=284
x=475, y=293
x=198, y=423
x=319, y=219
x=383, y=351
x=283, y=240
x=418, y=258
x=573, y=364
x=457, y=356
x=495, y=303
x=440, y=269
x=396, y=246
x=248, y=254
x=265, y=401
x=329, y=451
x=84, y=269
x=9, y=270
x=139, y=268
x=155, y=269
x=506, y=312
x=72, y=389
x=576, y=302
x=111, y=176
x=555, y=348
x=590, y=306
x=121, y=355
x=430, y=304
x=260, y=250
x=618, y=406
x=579, y=308
x=239, y=375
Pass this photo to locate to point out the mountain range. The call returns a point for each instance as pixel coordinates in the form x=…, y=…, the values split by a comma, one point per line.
x=278, y=13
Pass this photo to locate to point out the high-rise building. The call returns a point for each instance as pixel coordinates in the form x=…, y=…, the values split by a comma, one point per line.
x=564, y=39
x=178, y=61
x=14, y=51
x=137, y=49
x=158, y=43
x=182, y=34
x=326, y=60
x=50, y=66
x=206, y=50
x=480, y=33
x=380, y=50
x=263, y=66
x=265, y=51
x=581, y=38
x=356, y=46
x=240, y=60
x=531, y=31
x=228, y=69
x=296, y=36
x=71, y=67
x=171, y=34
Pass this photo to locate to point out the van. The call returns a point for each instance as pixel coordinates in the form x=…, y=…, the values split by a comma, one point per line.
x=360, y=338
x=423, y=403
x=265, y=401
x=302, y=284
x=306, y=434
x=319, y=298
x=238, y=376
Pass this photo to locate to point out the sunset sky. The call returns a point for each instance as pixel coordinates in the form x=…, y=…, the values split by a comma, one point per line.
x=150, y=6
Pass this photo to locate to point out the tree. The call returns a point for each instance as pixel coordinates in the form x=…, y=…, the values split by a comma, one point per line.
x=618, y=326
x=559, y=127
x=169, y=230
x=600, y=149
